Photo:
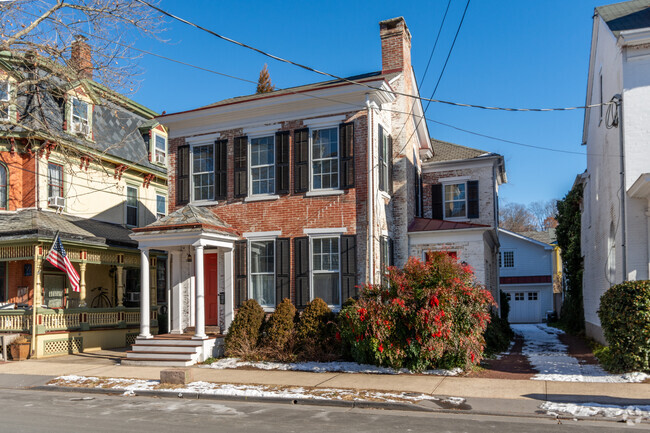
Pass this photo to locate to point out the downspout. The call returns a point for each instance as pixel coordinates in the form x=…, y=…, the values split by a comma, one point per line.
x=371, y=207
x=619, y=103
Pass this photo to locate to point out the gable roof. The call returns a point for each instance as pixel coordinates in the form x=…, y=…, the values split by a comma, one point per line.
x=528, y=236
x=431, y=225
x=445, y=151
x=190, y=217
x=547, y=236
x=628, y=15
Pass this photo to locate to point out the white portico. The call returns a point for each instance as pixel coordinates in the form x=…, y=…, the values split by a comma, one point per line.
x=200, y=291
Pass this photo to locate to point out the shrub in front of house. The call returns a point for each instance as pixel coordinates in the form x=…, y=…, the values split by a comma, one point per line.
x=315, y=333
x=498, y=333
x=244, y=332
x=427, y=315
x=625, y=318
x=279, y=332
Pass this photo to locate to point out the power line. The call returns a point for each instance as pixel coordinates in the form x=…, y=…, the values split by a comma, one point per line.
x=347, y=80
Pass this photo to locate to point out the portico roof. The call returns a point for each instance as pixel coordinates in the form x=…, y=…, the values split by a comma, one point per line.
x=190, y=217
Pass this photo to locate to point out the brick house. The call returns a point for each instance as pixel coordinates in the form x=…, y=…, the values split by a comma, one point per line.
x=298, y=193
x=82, y=160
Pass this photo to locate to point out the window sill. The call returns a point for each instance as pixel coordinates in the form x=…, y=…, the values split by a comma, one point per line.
x=204, y=203
x=261, y=198
x=324, y=193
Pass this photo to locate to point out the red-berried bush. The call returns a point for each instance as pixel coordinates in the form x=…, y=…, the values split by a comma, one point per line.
x=427, y=315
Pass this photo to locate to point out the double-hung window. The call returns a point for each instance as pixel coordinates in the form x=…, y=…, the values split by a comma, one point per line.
x=54, y=180
x=262, y=165
x=325, y=159
x=80, y=117
x=203, y=172
x=3, y=188
x=160, y=149
x=385, y=154
x=161, y=206
x=4, y=100
x=455, y=197
x=325, y=274
x=262, y=272
x=131, y=206
x=506, y=259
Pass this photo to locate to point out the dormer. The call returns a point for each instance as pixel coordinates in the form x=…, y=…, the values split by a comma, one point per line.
x=79, y=110
x=7, y=97
x=155, y=136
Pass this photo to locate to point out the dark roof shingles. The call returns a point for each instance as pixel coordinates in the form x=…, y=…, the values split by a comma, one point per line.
x=430, y=225
x=628, y=15
x=445, y=151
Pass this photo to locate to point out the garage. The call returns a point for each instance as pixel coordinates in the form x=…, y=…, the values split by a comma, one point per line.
x=525, y=306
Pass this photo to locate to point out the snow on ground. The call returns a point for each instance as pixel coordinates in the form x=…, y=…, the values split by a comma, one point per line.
x=322, y=367
x=634, y=414
x=549, y=356
x=130, y=386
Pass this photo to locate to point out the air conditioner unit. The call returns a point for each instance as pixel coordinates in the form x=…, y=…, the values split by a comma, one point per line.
x=56, y=202
x=160, y=158
x=80, y=128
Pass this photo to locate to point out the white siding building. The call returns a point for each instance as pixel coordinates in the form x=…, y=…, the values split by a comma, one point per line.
x=615, y=220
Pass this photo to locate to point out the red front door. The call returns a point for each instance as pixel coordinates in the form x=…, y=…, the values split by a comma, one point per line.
x=211, y=290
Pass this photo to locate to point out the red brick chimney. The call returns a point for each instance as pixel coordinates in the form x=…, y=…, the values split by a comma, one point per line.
x=395, y=45
x=81, y=57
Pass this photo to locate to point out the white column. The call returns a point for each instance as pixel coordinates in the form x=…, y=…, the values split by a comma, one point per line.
x=145, y=313
x=199, y=321
x=229, y=288
x=176, y=292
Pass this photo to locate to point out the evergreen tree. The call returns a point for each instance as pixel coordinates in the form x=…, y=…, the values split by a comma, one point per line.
x=264, y=82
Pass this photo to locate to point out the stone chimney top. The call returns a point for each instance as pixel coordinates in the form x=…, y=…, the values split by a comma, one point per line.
x=81, y=57
x=395, y=45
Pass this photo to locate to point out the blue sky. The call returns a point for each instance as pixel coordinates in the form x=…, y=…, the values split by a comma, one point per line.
x=509, y=53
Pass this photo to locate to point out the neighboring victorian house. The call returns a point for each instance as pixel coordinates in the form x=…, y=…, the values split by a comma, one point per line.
x=300, y=193
x=78, y=159
x=460, y=205
x=616, y=217
x=530, y=274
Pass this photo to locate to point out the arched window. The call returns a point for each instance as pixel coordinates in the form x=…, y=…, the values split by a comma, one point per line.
x=3, y=187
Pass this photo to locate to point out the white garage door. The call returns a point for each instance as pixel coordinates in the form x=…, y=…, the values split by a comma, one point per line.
x=525, y=306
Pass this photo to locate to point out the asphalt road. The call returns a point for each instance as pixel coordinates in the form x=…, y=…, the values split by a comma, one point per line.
x=45, y=411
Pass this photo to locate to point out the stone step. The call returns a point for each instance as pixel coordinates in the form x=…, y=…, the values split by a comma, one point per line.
x=162, y=348
x=156, y=362
x=161, y=341
x=163, y=356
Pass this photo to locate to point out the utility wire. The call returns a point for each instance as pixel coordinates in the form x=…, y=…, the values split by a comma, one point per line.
x=347, y=80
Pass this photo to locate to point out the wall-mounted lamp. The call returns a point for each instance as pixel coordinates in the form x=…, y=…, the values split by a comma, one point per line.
x=189, y=258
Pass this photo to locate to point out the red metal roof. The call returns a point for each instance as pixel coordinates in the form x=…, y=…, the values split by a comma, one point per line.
x=430, y=225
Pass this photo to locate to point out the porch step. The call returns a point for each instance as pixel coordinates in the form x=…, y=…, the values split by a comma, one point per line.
x=162, y=341
x=162, y=356
x=162, y=348
x=209, y=329
x=155, y=362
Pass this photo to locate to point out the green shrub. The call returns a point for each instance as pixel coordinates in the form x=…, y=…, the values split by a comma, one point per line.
x=315, y=332
x=625, y=318
x=498, y=335
x=243, y=334
x=279, y=328
x=427, y=315
x=505, y=305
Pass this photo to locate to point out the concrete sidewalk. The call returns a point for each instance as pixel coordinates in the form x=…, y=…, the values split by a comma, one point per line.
x=497, y=396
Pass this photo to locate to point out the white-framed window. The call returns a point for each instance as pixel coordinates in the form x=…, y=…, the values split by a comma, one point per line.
x=131, y=206
x=81, y=112
x=519, y=296
x=5, y=89
x=54, y=180
x=261, y=271
x=507, y=259
x=262, y=165
x=4, y=189
x=455, y=200
x=385, y=152
x=326, y=278
x=202, y=172
x=161, y=206
x=159, y=149
x=324, y=151
x=532, y=296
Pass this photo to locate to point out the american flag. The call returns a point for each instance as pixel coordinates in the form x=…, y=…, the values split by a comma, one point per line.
x=59, y=258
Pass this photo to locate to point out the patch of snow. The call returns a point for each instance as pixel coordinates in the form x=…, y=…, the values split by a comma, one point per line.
x=549, y=356
x=594, y=409
x=322, y=367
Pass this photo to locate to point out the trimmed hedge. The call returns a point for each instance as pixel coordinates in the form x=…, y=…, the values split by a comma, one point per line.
x=280, y=327
x=244, y=330
x=315, y=332
x=625, y=318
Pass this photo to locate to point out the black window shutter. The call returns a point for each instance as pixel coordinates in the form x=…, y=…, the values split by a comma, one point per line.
x=301, y=160
x=282, y=162
x=389, y=158
x=391, y=252
x=421, y=194
x=240, y=273
x=436, y=202
x=349, y=268
x=282, y=277
x=301, y=254
x=220, y=169
x=472, y=199
x=241, y=166
x=183, y=175
x=383, y=247
x=346, y=158
x=382, y=160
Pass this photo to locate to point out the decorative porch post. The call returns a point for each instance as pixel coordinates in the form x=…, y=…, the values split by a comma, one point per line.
x=82, y=284
x=229, y=288
x=120, y=285
x=176, y=297
x=199, y=332
x=145, y=314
